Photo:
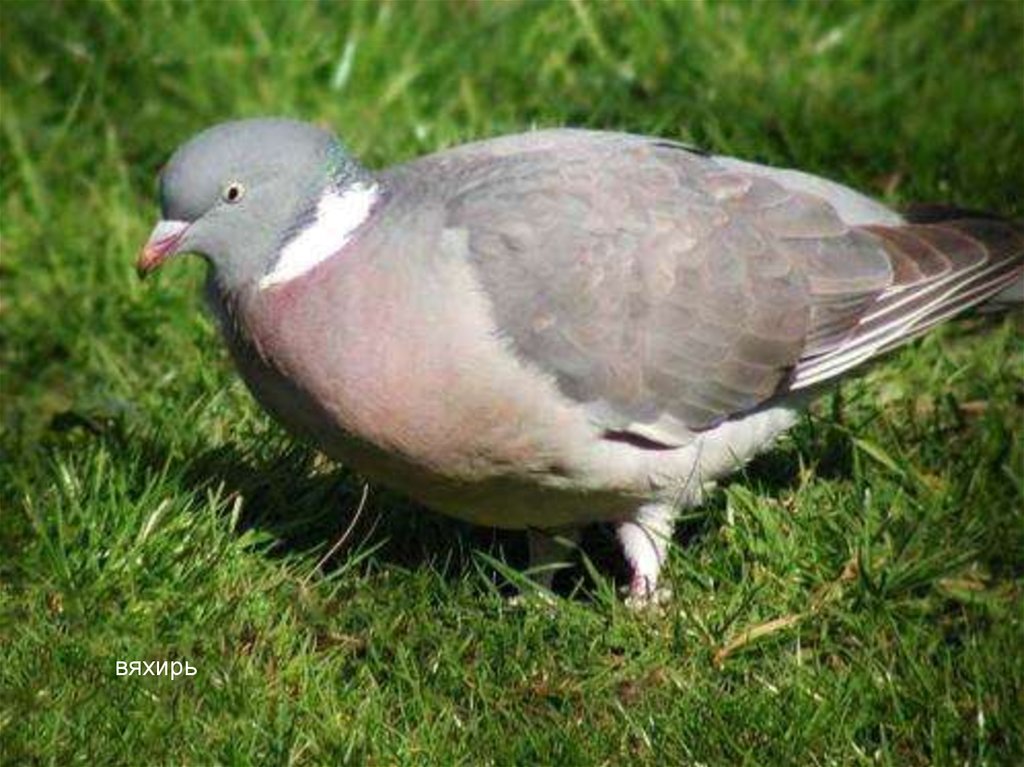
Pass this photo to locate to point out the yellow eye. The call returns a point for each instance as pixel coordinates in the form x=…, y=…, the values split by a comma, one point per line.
x=233, y=192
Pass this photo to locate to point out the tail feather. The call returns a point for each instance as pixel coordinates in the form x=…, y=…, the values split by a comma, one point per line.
x=945, y=260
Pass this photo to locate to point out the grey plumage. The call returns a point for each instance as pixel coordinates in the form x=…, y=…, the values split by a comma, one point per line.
x=658, y=285
x=547, y=329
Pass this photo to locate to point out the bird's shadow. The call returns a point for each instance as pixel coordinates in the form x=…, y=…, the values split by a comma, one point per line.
x=310, y=507
x=317, y=510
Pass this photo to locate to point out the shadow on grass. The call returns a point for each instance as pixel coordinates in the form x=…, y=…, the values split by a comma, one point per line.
x=307, y=504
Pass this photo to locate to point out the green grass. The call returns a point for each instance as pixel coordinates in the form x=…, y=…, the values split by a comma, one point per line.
x=857, y=597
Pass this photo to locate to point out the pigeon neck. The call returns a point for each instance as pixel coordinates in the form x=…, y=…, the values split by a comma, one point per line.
x=336, y=219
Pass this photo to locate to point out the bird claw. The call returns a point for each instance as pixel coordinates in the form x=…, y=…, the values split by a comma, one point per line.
x=644, y=596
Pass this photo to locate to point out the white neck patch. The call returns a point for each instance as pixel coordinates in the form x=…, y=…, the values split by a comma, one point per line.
x=337, y=217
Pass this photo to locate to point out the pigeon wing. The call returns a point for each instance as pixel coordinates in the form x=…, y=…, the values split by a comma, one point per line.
x=659, y=288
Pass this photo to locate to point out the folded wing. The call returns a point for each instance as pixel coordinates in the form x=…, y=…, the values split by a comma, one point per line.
x=668, y=292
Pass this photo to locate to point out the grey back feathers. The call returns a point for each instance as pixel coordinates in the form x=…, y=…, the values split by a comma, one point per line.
x=668, y=291
x=663, y=290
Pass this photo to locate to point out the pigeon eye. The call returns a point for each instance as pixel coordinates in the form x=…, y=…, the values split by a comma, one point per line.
x=233, y=192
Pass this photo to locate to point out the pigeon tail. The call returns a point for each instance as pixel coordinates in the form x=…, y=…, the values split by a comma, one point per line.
x=1010, y=297
x=944, y=260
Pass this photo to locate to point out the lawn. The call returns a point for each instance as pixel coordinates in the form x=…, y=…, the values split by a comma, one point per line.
x=856, y=597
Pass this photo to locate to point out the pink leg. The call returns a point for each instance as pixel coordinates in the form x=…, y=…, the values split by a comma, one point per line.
x=645, y=538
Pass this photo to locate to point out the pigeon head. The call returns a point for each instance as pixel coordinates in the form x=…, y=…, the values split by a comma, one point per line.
x=259, y=199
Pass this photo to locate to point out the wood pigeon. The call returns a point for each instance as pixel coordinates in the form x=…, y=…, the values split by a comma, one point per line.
x=559, y=327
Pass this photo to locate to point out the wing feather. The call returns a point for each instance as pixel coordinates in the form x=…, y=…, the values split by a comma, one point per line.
x=667, y=291
x=939, y=271
x=654, y=286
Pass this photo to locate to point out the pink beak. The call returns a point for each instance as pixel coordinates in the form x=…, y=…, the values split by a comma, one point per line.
x=162, y=244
